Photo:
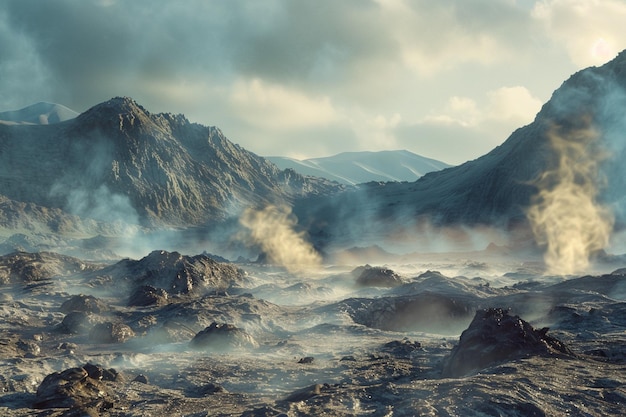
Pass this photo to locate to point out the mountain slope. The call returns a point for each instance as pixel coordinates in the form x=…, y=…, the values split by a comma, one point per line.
x=497, y=188
x=118, y=163
x=41, y=113
x=360, y=167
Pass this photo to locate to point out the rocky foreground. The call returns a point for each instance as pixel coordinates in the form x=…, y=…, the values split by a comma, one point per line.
x=171, y=334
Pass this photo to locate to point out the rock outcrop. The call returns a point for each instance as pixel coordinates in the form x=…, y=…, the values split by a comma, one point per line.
x=495, y=336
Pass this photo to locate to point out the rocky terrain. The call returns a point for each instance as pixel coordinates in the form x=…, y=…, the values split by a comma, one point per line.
x=127, y=339
x=113, y=305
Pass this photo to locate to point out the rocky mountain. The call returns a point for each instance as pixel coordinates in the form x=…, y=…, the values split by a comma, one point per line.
x=498, y=188
x=41, y=113
x=117, y=162
x=361, y=167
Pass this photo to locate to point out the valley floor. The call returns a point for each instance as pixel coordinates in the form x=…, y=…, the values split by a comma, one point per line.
x=318, y=344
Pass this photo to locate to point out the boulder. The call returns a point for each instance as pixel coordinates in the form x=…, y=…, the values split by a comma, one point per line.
x=77, y=322
x=375, y=276
x=222, y=337
x=147, y=295
x=72, y=388
x=110, y=332
x=495, y=336
x=84, y=303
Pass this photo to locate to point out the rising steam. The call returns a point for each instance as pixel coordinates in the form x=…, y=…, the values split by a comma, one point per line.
x=565, y=215
x=272, y=229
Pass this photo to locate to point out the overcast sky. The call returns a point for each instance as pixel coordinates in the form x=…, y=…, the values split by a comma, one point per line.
x=447, y=79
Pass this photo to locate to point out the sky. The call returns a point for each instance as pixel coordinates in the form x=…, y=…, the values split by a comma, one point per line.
x=446, y=79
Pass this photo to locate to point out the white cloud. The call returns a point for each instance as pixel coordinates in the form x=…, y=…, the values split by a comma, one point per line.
x=592, y=31
x=512, y=105
x=509, y=106
x=277, y=107
x=435, y=36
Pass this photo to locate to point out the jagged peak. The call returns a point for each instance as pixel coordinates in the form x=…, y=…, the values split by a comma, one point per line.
x=119, y=105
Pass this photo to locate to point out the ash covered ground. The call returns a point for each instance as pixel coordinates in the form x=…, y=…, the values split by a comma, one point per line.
x=169, y=334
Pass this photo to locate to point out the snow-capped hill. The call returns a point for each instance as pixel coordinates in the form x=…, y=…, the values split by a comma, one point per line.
x=41, y=113
x=361, y=167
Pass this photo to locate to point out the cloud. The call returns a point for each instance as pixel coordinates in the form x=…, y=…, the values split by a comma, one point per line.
x=592, y=31
x=298, y=77
x=278, y=108
x=463, y=120
x=436, y=36
x=24, y=79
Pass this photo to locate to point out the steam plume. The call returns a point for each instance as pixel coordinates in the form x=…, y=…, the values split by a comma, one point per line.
x=565, y=215
x=273, y=230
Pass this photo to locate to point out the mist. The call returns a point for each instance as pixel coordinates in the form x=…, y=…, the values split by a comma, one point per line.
x=272, y=229
x=565, y=215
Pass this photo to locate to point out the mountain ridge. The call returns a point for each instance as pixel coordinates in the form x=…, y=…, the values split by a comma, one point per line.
x=119, y=162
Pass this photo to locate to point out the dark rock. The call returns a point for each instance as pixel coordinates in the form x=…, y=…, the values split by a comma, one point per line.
x=29, y=268
x=205, y=390
x=101, y=374
x=222, y=337
x=173, y=272
x=30, y=348
x=72, y=388
x=305, y=393
x=495, y=336
x=147, y=295
x=84, y=303
x=110, y=332
x=306, y=359
x=374, y=276
x=77, y=322
x=141, y=378
x=401, y=347
x=427, y=312
x=265, y=411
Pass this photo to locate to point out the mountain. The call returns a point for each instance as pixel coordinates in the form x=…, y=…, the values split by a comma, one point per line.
x=41, y=113
x=497, y=189
x=360, y=167
x=117, y=162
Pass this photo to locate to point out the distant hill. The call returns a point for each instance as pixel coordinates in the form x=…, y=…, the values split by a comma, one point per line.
x=41, y=113
x=360, y=167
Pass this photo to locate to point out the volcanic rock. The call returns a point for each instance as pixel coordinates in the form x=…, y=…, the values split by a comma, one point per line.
x=110, y=332
x=84, y=303
x=72, y=388
x=305, y=393
x=100, y=373
x=24, y=267
x=375, y=276
x=77, y=322
x=173, y=272
x=147, y=295
x=428, y=312
x=495, y=336
x=222, y=337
